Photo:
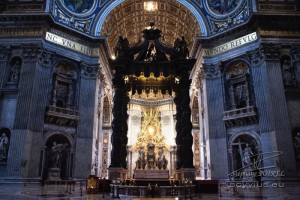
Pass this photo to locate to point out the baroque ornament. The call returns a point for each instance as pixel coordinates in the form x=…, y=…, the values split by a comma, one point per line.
x=4, y=52
x=30, y=52
x=271, y=51
x=45, y=58
x=88, y=71
x=150, y=131
x=212, y=70
x=256, y=57
x=78, y=6
x=223, y=7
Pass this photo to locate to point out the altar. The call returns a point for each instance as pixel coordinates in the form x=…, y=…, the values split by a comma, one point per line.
x=151, y=174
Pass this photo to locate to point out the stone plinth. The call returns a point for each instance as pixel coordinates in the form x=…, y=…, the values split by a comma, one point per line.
x=54, y=174
x=185, y=173
x=151, y=174
x=117, y=173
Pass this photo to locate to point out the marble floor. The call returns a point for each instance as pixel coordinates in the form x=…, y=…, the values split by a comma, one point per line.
x=19, y=191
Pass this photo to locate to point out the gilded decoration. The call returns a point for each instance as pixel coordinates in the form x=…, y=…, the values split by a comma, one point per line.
x=150, y=133
x=129, y=18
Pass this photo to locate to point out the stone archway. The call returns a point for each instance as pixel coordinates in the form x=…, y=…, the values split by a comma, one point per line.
x=244, y=150
x=113, y=4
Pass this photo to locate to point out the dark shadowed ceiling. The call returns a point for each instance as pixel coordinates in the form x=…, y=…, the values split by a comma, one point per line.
x=130, y=18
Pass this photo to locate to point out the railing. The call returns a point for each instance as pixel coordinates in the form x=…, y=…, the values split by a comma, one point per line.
x=63, y=112
x=239, y=113
x=62, y=116
x=152, y=191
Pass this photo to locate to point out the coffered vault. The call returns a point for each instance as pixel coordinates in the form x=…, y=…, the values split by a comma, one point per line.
x=130, y=18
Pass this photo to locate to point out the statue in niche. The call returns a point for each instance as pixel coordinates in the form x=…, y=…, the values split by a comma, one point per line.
x=288, y=72
x=247, y=154
x=14, y=73
x=240, y=94
x=55, y=154
x=297, y=145
x=181, y=46
x=3, y=146
x=121, y=47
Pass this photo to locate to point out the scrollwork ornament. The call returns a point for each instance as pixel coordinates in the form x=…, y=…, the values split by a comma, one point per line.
x=101, y=76
x=4, y=52
x=87, y=71
x=256, y=57
x=30, y=52
x=212, y=71
x=45, y=58
x=271, y=51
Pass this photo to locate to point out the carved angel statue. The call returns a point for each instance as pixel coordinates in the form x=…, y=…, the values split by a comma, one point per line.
x=181, y=46
x=121, y=47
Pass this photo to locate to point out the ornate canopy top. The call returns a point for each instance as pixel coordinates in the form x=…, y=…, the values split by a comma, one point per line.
x=149, y=68
x=151, y=48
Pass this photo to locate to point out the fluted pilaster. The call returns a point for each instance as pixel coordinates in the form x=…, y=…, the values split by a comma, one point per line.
x=279, y=106
x=217, y=151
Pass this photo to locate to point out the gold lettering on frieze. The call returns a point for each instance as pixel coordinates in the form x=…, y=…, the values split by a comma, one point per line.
x=71, y=44
x=26, y=31
x=279, y=33
x=230, y=45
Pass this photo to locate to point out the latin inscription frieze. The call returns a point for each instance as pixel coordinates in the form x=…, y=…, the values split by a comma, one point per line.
x=15, y=31
x=230, y=45
x=71, y=45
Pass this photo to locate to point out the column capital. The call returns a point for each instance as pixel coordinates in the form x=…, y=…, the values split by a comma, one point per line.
x=271, y=51
x=212, y=71
x=30, y=52
x=256, y=57
x=295, y=53
x=45, y=58
x=4, y=52
x=88, y=71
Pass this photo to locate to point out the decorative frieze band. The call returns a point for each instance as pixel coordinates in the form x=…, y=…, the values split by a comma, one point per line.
x=212, y=70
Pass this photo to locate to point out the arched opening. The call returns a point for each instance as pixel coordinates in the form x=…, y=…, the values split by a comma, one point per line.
x=129, y=18
x=244, y=152
x=112, y=5
x=57, y=158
